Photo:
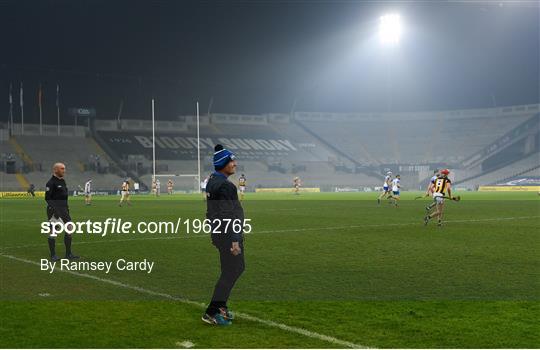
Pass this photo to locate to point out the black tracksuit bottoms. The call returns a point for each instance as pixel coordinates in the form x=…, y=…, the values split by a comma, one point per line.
x=231, y=268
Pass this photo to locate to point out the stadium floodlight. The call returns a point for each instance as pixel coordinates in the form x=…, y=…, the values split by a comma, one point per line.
x=390, y=29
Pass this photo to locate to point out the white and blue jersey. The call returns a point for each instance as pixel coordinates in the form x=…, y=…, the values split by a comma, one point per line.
x=395, y=186
x=387, y=180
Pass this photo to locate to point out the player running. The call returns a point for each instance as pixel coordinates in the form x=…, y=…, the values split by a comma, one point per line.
x=88, y=192
x=429, y=190
x=170, y=185
x=242, y=185
x=125, y=193
x=396, y=186
x=386, y=186
x=441, y=186
x=296, y=185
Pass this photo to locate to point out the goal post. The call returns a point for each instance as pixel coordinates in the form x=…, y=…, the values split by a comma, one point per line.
x=182, y=182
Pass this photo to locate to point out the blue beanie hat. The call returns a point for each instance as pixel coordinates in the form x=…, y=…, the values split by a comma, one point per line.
x=222, y=157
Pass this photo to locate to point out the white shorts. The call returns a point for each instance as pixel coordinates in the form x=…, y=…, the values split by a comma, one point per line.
x=124, y=194
x=438, y=197
x=242, y=188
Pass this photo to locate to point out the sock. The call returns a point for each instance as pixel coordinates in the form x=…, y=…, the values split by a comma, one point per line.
x=52, y=248
x=214, y=306
x=67, y=242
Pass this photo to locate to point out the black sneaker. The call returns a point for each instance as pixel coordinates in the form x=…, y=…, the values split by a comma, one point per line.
x=378, y=201
x=426, y=220
x=72, y=257
x=55, y=258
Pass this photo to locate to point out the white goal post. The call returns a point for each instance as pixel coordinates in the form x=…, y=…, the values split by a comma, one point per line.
x=196, y=177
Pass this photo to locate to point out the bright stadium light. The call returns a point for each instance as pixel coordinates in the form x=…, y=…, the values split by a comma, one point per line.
x=390, y=29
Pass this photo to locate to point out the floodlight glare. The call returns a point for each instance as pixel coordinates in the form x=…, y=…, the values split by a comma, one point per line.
x=390, y=29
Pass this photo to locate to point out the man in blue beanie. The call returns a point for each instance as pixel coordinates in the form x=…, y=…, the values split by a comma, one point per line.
x=223, y=206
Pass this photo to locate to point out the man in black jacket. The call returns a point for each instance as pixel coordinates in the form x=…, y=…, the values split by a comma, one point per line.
x=224, y=207
x=56, y=196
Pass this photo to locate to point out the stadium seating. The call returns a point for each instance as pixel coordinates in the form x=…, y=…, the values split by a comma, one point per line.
x=324, y=149
x=80, y=155
x=11, y=179
x=413, y=141
x=529, y=165
x=269, y=152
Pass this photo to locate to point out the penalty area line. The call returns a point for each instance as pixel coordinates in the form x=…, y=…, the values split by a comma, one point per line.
x=269, y=323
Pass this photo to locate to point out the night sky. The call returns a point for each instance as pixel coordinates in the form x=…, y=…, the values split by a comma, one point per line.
x=261, y=56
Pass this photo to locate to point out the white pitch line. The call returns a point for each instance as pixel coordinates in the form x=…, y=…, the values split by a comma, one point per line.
x=396, y=224
x=287, y=328
x=283, y=231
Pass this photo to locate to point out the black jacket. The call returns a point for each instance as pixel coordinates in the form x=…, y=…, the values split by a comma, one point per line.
x=222, y=203
x=56, y=196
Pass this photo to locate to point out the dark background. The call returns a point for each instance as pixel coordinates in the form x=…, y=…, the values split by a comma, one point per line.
x=261, y=56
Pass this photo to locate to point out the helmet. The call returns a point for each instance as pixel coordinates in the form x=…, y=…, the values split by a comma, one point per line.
x=445, y=171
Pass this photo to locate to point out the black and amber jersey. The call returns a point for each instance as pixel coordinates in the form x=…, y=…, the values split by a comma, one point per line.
x=125, y=186
x=441, y=184
x=242, y=181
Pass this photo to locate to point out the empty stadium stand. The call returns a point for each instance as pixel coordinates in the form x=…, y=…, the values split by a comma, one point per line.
x=271, y=149
x=529, y=166
x=35, y=155
x=414, y=138
x=327, y=150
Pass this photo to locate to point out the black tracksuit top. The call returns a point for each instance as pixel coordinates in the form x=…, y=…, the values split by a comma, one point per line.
x=222, y=203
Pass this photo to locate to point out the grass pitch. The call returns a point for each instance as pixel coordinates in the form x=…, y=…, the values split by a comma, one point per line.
x=322, y=270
